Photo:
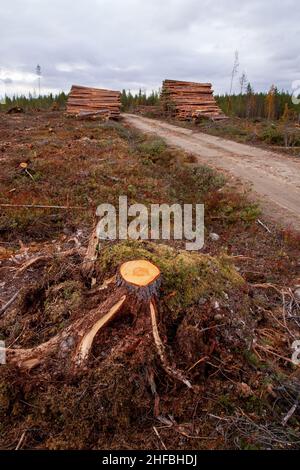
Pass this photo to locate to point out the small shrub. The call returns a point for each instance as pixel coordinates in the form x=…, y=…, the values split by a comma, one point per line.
x=152, y=148
x=272, y=135
x=207, y=178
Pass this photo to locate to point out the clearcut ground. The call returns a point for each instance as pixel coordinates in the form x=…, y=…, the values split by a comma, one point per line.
x=274, y=178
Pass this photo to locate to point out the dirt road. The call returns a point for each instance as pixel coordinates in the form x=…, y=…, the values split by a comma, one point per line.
x=275, y=178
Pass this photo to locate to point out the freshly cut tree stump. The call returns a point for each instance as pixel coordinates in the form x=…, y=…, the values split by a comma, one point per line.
x=141, y=278
x=140, y=273
x=135, y=290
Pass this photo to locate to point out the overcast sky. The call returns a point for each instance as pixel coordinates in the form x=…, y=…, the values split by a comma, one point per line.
x=137, y=43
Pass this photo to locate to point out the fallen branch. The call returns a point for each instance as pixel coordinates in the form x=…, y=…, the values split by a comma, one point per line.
x=9, y=303
x=263, y=225
x=21, y=440
x=267, y=286
x=91, y=255
x=203, y=359
x=41, y=206
x=274, y=353
x=158, y=435
x=32, y=261
x=289, y=414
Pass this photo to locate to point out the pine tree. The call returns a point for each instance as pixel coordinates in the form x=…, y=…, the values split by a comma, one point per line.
x=270, y=103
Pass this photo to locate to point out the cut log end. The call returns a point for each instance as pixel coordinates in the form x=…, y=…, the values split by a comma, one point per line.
x=140, y=273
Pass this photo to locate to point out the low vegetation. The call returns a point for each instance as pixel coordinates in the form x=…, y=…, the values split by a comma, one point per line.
x=278, y=135
x=227, y=315
x=31, y=102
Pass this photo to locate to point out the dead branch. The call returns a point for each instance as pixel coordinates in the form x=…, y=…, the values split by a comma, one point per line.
x=267, y=286
x=158, y=435
x=289, y=414
x=32, y=261
x=90, y=256
x=21, y=440
x=263, y=225
x=9, y=303
x=269, y=351
x=42, y=206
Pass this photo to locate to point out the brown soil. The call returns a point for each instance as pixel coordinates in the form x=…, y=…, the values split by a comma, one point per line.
x=227, y=316
x=275, y=178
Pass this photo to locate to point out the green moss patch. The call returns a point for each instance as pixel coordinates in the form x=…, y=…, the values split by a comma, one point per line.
x=186, y=276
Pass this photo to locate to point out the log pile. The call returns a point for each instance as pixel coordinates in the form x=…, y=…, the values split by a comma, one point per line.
x=86, y=102
x=189, y=100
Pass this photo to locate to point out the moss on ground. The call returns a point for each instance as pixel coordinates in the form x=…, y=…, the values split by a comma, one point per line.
x=208, y=316
x=62, y=300
x=186, y=276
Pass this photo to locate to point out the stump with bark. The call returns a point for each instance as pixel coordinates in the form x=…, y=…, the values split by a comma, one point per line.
x=135, y=289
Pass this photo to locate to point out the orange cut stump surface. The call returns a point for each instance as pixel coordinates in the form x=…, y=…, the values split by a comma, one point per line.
x=139, y=272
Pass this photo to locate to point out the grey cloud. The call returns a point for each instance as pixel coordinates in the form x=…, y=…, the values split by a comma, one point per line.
x=137, y=43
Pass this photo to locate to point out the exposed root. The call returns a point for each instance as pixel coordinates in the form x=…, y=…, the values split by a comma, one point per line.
x=172, y=372
x=73, y=344
x=87, y=341
x=136, y=285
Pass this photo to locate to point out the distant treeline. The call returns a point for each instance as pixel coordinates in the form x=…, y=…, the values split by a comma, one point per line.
x=33, y=102
x=273, y=105
x=130, y=101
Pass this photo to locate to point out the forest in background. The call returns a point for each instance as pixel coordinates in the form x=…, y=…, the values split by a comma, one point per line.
x=272, y=105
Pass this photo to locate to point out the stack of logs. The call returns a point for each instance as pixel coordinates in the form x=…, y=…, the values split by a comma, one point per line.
x=89, y=102
x=189, y=100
